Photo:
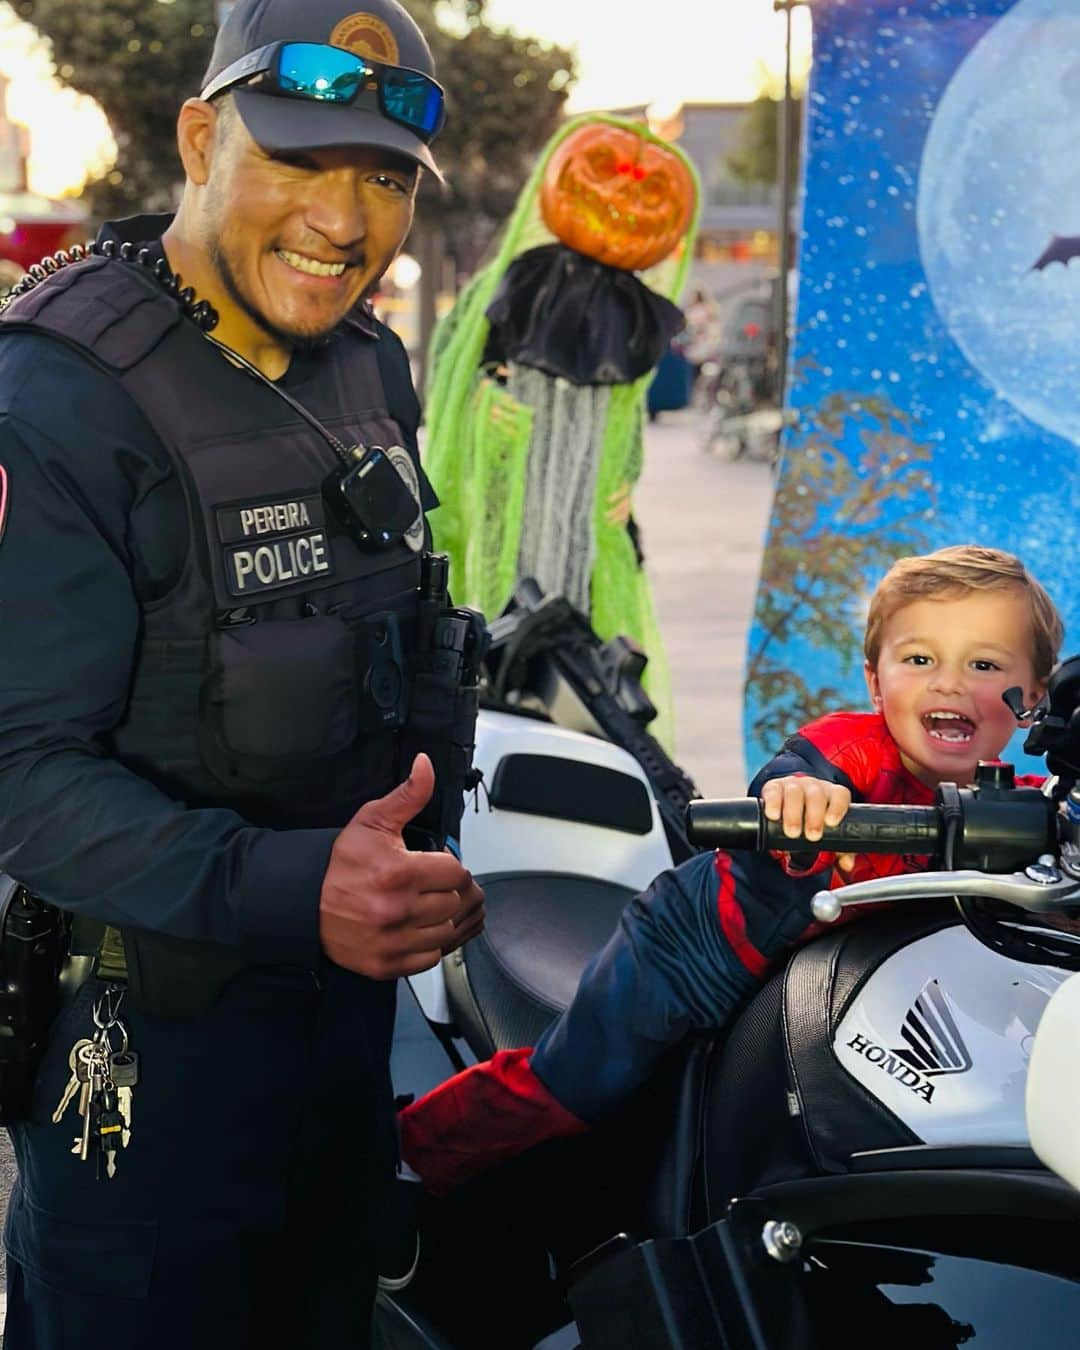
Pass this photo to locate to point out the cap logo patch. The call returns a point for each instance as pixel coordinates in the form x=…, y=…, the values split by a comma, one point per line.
x=368, y=36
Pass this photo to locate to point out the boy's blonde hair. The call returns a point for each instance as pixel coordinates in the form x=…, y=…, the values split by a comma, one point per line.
x=950, y=572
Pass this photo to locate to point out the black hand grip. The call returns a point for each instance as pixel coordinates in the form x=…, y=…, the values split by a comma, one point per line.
x=739, y=823
x=868, y=829
x=733, y=823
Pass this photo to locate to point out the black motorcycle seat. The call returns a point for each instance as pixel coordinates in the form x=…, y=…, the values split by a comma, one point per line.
x=509, y=983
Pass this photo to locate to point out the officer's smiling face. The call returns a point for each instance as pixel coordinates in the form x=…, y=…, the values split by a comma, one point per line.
x=298, y=239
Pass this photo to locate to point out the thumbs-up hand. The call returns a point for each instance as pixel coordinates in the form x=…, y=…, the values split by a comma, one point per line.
x=386, y=912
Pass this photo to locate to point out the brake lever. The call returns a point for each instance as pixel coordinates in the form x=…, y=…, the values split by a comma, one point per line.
x=1040, y=887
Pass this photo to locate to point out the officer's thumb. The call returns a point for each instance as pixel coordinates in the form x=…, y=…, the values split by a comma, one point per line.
x=394, y=811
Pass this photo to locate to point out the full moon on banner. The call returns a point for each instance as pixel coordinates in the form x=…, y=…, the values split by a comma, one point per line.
x=999, y=211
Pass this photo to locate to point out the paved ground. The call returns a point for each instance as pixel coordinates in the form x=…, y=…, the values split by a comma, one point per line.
x=703, y=523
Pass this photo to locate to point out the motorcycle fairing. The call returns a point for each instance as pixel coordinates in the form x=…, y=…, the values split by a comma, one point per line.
x=502, y=840
x=941, y=1034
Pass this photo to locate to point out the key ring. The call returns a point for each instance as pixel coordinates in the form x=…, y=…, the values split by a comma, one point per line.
x=112, y=1016
x=124, y=1041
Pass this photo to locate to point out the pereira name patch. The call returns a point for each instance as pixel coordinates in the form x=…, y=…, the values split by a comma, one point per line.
x=270, y=544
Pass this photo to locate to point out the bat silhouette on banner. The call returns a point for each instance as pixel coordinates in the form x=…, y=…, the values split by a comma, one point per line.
x=1061, y=249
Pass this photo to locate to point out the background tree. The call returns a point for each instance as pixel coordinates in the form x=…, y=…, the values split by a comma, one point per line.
x=505, y=97
x=755, y=157
x=140, y=61
x=839, y=518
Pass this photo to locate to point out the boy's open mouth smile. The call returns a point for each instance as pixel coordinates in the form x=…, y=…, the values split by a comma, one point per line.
x=952, y=728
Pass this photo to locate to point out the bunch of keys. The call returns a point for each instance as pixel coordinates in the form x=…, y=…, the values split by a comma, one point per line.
x=103, y=1076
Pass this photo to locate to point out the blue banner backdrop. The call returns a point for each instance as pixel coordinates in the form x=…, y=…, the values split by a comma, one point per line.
x=936, y=357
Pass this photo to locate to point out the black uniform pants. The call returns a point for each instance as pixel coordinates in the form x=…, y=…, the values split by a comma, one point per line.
x=244, y=1212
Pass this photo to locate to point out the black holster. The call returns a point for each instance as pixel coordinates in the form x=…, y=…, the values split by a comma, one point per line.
x=34, y=941
x=451, y=643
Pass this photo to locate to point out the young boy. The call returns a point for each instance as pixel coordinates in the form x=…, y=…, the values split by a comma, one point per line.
x=946, y=635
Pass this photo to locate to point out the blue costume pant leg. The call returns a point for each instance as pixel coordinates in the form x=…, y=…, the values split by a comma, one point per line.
x=243, y=1214
x=667, y=970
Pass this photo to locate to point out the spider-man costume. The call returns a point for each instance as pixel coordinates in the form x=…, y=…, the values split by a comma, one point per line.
x=687, y=953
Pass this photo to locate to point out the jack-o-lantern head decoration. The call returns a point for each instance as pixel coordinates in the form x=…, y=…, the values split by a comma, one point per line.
x=617, y=196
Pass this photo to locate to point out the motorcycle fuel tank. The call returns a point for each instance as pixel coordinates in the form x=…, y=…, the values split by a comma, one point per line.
x=941, y=1034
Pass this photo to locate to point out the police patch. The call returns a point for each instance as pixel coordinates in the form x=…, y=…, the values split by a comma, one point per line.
x=275, y=543
x=3, y=499
x=400, y=458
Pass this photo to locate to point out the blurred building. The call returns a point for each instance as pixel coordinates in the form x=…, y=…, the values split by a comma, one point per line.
x=738, y=239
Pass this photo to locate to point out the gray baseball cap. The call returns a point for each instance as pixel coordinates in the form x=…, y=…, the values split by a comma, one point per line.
x=378, y=29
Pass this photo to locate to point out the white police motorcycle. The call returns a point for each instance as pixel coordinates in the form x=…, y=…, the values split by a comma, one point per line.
x=577, y=808
x=849, y=1164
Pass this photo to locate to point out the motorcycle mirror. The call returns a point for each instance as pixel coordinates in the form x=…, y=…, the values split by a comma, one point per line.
x=1053, y=1085
x=1055, y=725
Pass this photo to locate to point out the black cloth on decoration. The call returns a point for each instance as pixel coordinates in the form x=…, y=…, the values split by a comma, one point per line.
x=559, y=311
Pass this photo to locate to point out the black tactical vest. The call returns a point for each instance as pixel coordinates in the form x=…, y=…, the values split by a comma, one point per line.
x=252, y=685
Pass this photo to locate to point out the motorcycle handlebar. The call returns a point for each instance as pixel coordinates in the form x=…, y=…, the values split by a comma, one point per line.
x=740, y=823
x=995, y=832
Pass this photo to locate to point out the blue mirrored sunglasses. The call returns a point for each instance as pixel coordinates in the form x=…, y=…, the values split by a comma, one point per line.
x=314, y=70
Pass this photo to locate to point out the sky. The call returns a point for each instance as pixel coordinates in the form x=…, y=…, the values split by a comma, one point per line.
x=683, y=51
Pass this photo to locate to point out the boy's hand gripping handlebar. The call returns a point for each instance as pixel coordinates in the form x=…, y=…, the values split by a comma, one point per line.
x=740, y=823
x=1002, y=845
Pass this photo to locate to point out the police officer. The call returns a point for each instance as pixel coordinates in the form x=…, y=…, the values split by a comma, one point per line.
x=195, y=759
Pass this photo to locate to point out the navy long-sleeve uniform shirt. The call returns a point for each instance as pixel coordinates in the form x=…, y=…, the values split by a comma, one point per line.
x=94, y=527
